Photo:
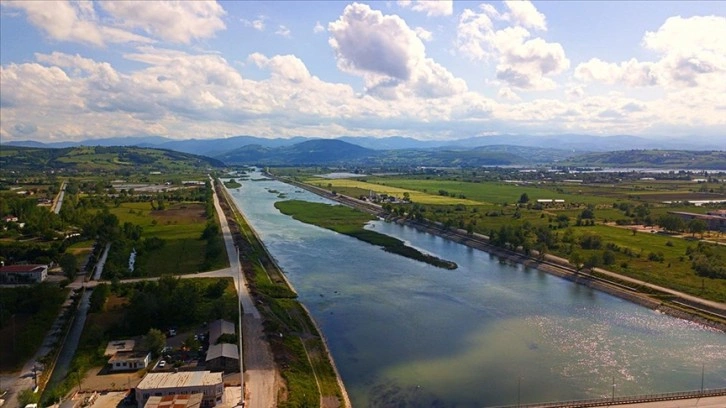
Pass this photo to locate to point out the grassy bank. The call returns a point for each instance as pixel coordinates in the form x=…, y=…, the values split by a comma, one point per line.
x=298, y=347
x=349, y=221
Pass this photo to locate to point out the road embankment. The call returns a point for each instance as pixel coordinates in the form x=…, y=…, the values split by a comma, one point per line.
x=273, y=294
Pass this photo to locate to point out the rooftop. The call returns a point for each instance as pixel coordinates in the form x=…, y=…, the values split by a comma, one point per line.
x=222, y=350
x=175, y=401
x=218, y=328
x=128, y=355
x=179, y=380
x=22, y=268
x=115, y=346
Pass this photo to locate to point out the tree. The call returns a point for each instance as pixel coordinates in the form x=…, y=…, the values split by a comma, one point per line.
x=696, y=226
x=154, y=341
x=69, y=264
x=524, y=198
x=27, y=396
x=576, y=261
x=608, y=257
x=671, y=222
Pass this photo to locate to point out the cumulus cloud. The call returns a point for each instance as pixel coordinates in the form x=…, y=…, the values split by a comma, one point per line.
x=287, y=67
x=524, y=13
x=73, y=21
x=522, y=62
x=424, y=34
x=179, y=22
x=631, y=72
x=430, y=7
x=388, y=54
x=692, y=53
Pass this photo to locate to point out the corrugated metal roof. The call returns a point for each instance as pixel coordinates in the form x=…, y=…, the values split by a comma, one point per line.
x=180, y=379
x=218, y=328
x=222, y=350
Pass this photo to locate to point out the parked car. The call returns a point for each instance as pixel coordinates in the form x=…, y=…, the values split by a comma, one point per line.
x=162, y=363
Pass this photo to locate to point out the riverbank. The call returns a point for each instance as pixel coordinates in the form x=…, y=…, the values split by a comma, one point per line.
x=671, y=302
x=299, y=347
x=351, y=222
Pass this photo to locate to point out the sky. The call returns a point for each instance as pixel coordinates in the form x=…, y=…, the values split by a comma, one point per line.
x=425, y=69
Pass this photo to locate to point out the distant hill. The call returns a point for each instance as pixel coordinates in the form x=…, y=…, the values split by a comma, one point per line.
x=337, y=152
x=680, y=159
x=99, y=159
x=572, y=142
x=318, y=151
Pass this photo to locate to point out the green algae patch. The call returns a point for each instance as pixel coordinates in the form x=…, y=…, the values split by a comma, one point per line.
x=349, y=221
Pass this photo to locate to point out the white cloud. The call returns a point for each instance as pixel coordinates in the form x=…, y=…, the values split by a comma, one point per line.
x=424, y=34
x=522, y=63
x=631, y=73
x=430, y=7
x=693, y=49
x=287, y=67
x=318, y=28
x=388, y=55
x=258, y=23
x=283, y=31
x=179, y=22
x=73, y=21
x=692, y=54
x=524, y=13
x=508, y=94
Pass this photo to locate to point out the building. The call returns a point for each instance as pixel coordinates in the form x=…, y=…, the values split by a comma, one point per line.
x=129, y=360
x=223, y=357
x=208, y=384
x=715, y=221
x=175, y=401
x=23, y=273
x=116, y=346
x=219, y=327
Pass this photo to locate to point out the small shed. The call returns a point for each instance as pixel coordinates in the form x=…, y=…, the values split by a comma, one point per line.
x=223, y=357
x=219, y=327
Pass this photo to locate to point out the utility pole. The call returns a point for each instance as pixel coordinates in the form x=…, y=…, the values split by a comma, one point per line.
x=613, y=397
x=519, y=390
x=703, y=369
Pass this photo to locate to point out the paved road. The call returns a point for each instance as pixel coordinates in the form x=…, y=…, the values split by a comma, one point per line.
x=23, y=380
x=99, y=266
x=260, y=374
x=59, y=201
x=70, y=343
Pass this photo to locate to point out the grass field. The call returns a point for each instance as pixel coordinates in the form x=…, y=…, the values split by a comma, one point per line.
x=483, y=208
x=180, y=226
x=417, y=196
x=349, y=221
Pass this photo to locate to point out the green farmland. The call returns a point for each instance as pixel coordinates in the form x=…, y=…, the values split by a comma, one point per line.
x=510, y=211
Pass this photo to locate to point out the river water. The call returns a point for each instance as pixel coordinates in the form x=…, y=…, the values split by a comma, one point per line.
x=407, y=334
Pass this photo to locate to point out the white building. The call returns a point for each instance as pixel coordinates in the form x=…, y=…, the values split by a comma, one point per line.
x=129, y=360
x=209, y=384
x=23, y=273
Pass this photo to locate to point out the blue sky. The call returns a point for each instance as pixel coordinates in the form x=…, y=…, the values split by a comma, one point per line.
x=425, y=69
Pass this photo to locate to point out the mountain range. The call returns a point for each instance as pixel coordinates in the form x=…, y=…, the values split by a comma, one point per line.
x=574, y=143
x=406, y=151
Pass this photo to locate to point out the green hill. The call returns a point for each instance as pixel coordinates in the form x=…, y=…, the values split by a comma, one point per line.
x=98, y=159
x=682, y=159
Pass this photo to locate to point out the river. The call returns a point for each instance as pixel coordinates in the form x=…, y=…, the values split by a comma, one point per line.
x=407, y=334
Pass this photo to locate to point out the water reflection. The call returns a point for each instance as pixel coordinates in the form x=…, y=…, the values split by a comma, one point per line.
x=405, y=333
